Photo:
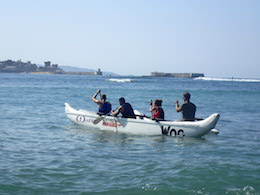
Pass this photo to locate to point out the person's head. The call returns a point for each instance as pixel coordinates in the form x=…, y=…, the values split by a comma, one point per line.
x=158, y=102
x=121, y=101
x=186, y=96
x=103, y=97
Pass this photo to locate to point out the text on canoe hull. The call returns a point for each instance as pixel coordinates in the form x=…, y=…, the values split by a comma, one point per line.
x=111, y=123
x=171, y=131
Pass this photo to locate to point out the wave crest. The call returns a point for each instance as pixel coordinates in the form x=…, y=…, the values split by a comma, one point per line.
x=227, y=79
x=127, y=80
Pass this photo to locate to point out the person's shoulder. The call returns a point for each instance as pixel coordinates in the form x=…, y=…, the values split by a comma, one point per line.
x=183, y=104
x=99, y=102
x=192, y=104
x=128, y=104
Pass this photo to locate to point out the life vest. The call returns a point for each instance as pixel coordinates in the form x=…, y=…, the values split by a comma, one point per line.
x=105, y=108
x=158, y=114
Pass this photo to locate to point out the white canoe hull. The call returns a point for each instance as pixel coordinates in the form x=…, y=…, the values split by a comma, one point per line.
x=142, y=126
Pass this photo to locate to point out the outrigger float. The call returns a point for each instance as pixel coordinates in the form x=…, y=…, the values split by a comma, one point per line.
x=142, y=125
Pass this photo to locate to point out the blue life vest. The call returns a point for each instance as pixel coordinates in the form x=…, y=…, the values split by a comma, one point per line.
x=105, y=108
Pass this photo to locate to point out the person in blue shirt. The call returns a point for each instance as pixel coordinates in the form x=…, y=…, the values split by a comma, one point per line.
x=104, y=107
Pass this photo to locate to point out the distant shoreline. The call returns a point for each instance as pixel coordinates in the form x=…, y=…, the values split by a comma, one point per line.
x=10, y=66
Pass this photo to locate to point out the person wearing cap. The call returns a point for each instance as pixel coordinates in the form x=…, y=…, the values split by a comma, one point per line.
x=125, y=109
x=188, y=109
x=104, y=107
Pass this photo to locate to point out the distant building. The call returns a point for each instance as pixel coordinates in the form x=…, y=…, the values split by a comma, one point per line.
x=47, y=64
x=48, y=68
x=98, y=72
x=55, y=65
x=10, y=69
x=10, y=66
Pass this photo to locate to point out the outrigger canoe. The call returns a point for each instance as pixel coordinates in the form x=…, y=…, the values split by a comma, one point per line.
x=141, y=125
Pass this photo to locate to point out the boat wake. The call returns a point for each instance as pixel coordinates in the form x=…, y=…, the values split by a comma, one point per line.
x=227, y=79
x=127, y=80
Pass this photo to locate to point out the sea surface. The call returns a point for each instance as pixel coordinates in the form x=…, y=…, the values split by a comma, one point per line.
x=42, y=152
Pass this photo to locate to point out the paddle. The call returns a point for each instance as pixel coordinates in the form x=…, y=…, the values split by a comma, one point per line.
x=141, y=115
x=97, y=120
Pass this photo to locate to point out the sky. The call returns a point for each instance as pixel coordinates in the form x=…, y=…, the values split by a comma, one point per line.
x=220, y=38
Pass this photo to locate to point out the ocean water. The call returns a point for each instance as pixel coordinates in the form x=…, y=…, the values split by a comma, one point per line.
x=42, y=152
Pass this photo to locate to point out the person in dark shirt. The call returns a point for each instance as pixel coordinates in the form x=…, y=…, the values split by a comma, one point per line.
x=104, y=107
x=125, y=109
x=188, y=109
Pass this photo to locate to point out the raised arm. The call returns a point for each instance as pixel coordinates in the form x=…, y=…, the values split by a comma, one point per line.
x=95, y=95
x=151, y=106
x=177, y=107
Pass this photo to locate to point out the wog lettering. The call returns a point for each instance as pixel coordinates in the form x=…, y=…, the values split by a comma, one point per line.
x=172, y=132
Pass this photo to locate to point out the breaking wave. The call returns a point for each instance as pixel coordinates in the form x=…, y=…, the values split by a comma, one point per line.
x=227, y=79
x=127, y=80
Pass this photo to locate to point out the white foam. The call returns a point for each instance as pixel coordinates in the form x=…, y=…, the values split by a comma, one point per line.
x=127, y=80
x=227, y=79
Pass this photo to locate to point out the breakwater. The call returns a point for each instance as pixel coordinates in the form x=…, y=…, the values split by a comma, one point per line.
x=176, y=75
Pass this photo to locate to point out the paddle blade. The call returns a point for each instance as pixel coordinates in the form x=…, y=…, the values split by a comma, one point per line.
x=97, y=120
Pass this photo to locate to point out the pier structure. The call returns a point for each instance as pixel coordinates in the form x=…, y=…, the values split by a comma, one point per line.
x=177, y=75
x=99, y=72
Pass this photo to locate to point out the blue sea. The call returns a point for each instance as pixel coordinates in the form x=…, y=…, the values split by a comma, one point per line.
x=42, y=152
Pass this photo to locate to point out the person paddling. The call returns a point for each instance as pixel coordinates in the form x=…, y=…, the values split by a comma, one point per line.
x=125, y=109
x=157, y=111
x=188, y=109
x=104, y=107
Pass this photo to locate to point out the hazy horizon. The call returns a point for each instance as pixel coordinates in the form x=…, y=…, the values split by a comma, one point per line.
x=217, y=38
